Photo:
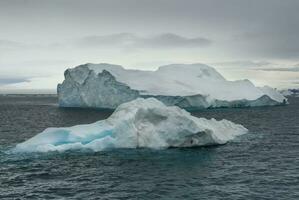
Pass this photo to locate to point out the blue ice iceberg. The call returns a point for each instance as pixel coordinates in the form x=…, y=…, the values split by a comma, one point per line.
x=141, y=123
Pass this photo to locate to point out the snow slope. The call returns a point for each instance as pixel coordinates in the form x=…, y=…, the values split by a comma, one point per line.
x=140, y=123
x=199, y=84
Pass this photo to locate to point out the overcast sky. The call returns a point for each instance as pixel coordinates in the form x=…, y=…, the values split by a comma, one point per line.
x=253, y=39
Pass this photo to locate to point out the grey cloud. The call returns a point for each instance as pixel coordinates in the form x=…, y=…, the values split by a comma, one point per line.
x=173, y=40
x=16, y=45
x=267, y=28
x=129, y=40
x=282, y=44
x=282, y=69
x=11, y=80
x=8, y=44
x=241, y=64
x=232, y=29
x=120, y=39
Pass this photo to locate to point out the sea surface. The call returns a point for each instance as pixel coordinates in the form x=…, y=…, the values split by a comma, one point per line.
x=263, y=164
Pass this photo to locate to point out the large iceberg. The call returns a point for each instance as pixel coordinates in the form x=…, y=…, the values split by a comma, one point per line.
x=192, y=86
x=141, y=123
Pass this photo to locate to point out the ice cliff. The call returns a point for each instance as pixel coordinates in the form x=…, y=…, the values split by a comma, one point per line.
x=192, y=86
x=141, y=123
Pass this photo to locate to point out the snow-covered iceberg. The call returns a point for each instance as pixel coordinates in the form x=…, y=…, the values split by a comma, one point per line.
x=192, y=86
x=141, y=123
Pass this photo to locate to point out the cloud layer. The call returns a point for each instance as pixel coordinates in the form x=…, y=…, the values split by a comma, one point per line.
x=282, y=69
x=129, y=40
x=130, y=32
x=12, y=80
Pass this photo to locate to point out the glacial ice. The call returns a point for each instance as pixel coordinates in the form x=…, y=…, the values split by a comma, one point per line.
x=141, y=123
x=189, y=86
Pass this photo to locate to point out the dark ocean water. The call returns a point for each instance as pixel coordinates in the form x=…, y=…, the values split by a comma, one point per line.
x=263, y=164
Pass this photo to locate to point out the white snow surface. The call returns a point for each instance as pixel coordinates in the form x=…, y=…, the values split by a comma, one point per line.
x=187, y=80
x=139, y=123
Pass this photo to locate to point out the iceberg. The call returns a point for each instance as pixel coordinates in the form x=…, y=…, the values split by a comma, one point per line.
x=141, y=123
x=189, y=86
